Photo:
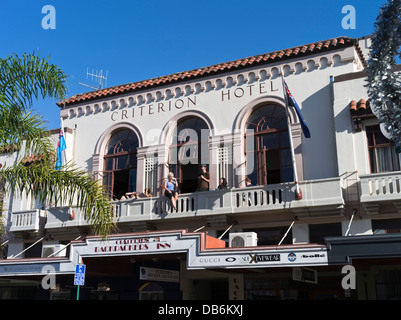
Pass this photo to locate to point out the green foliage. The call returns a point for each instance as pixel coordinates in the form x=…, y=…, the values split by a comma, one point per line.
x=22, y=81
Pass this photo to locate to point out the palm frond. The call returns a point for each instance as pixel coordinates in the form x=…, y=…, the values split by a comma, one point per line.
x=23, y=80
x=27, y=78
x=66, y=186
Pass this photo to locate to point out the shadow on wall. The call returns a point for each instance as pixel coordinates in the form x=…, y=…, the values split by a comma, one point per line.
x=319, y=152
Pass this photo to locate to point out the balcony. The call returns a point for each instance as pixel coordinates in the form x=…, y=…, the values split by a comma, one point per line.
x=28, y=221
x=321, y=198
x=381, y=192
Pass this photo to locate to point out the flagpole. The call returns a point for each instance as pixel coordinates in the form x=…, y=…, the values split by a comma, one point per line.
x=298, y=192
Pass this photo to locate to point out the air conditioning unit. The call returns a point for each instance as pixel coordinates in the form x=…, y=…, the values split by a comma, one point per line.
x=54, y=250
x=243, y=239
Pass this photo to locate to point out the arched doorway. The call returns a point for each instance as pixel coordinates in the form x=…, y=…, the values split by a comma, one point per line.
x=188, y=150
x=271, y=155
x=120, y=163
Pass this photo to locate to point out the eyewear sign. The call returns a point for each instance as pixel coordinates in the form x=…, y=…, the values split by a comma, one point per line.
x=271, y=258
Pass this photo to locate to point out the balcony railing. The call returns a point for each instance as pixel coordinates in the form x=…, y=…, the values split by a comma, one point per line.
x=28, y=220
x=386, y=185
x=379, y=188
x=317, y=195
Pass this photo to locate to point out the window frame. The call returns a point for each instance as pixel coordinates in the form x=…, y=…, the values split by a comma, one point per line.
x=259, y=149
x=132, y=166
x=374, y=167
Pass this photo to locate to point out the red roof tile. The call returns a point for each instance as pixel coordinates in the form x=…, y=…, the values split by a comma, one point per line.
x=298, y=51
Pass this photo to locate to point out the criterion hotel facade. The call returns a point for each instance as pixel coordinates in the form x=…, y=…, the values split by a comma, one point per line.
x=241, y=242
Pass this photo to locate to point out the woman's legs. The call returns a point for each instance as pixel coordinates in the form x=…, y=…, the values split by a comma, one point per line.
x=174, y=200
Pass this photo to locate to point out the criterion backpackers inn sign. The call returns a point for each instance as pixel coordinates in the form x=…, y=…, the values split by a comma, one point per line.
x=200, y=257
x=193, y=244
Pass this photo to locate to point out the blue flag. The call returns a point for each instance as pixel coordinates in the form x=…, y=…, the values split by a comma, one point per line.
x=293, y=103
x=60, y=148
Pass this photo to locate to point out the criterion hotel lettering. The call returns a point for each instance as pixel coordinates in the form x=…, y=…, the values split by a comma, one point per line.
x=154, y=108
x=247, y=91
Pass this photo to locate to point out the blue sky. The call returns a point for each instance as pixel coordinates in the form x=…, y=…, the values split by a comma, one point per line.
x=141, y=39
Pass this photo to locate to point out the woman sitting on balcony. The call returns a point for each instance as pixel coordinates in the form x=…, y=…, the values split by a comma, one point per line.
x=169, y=185
x=222, y=183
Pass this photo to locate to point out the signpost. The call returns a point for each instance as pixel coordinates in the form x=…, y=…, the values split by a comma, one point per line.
x=79, y=278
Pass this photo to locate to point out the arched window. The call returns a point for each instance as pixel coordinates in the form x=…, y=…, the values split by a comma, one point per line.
x=120, y=163
x=188, y=150
x=271, y=154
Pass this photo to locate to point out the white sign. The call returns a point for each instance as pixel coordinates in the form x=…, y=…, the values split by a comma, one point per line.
x=159, y=274
x=261, y=258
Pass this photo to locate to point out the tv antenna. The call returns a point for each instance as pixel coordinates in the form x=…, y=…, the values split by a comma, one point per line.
x=98, y=78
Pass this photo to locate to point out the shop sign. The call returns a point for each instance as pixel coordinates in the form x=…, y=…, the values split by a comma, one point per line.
x=304, y=275
x=197, y=259
x=236, y=286
x=155, y=274
x=133, y=245
x=261, y=259
x=264, y=257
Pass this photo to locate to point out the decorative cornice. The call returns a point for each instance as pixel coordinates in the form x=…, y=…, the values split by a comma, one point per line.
x=235, y=73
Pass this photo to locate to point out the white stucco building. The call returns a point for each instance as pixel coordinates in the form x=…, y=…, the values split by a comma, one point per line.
x=232, y=117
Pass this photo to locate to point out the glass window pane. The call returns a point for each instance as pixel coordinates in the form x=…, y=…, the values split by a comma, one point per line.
x=132, y=181
x=372, y=159
x=270, y=141
x=132, y=160
x=380, y=139
x=284, y=139
x=197, y=127
x=268, y=117
x=369, y=136
x=111, y=144
x=108, y=164
x=122, y=162
x=384, y=159
x=396, y=159
x=122, y=141
x=282, y=122
x=107, y=180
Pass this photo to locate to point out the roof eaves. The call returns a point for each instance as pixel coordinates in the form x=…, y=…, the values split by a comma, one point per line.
x=276, y=56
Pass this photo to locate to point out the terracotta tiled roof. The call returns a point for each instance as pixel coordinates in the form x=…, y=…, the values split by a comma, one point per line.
x=360, y=110
x=362, y=104
x=261, y=59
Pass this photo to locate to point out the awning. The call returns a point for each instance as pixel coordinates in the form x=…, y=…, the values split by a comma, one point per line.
x=342, y=250
x=201, y=250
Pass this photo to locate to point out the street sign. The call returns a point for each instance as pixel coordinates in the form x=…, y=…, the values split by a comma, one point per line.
x=79, y=278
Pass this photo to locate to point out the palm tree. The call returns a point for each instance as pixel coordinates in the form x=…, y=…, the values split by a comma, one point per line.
x=23, y=80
